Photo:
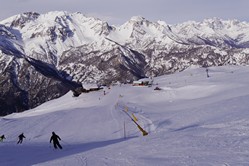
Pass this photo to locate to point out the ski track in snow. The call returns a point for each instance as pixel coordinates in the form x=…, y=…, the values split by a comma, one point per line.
x=116, y=118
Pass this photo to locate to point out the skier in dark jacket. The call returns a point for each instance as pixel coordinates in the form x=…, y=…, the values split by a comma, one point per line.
x=55, y=138
x=21, y=136
x=2, y=138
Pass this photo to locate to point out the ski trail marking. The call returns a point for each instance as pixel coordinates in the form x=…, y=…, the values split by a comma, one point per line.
x=81, y=160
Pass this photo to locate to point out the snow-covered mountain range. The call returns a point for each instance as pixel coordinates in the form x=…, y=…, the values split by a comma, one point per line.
x=42, y=56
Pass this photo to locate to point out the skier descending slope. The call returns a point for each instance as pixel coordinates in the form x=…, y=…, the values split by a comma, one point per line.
x=2, y=138
x=21, y=136
x=55, y=138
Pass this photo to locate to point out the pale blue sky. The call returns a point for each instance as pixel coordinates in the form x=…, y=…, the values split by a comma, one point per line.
x=119, y=11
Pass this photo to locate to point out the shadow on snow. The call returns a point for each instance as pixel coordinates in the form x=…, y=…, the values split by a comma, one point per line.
x=23, y=155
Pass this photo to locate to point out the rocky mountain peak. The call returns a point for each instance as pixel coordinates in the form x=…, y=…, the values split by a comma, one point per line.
x=39, y=51
x=137, y=19
x=20, y=20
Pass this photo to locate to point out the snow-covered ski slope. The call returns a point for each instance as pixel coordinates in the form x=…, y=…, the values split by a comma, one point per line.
x=192, y=121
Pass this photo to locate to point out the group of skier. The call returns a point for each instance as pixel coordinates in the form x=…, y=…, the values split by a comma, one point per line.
x=55, y=138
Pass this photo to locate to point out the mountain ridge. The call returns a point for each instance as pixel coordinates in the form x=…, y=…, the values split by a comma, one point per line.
x=89, y=50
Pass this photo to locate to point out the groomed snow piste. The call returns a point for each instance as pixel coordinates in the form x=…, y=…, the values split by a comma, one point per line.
x=192, y=121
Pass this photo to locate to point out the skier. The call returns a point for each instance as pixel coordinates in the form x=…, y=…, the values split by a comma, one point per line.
x=207, y=72
x=55, y=138
x=21, y=136
x=2, y=138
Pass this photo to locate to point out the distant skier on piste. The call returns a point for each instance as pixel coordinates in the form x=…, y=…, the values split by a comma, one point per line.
x=2, y=138
x=21, y=136
x=55, y=138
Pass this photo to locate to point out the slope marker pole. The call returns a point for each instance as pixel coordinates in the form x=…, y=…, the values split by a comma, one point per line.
x=124, y=131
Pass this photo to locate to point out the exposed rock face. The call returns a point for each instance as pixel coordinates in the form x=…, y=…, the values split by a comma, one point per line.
x=44, y=56
x=23, y=86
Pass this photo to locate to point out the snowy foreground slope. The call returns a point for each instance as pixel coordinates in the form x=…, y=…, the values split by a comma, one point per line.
x=193, y=120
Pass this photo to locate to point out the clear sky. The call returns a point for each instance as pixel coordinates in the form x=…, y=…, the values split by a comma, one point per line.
x=119, y=11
